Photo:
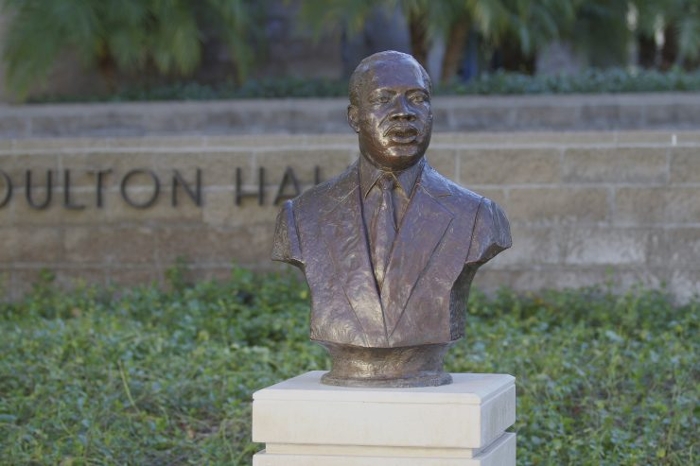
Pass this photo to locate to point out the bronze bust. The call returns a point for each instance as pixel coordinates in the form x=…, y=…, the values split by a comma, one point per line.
x=389, y=248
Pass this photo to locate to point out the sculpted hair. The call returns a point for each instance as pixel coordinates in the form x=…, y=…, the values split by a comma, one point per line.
x=359, y=76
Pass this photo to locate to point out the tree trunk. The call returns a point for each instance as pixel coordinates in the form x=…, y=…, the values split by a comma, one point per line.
x=419, y=37
x=454, y=49
x=669, y=51
x=513, y=58
x=646, y=54
x=108, y=70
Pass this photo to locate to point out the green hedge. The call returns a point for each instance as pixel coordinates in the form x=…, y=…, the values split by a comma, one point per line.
x=147, y=376
x=590, y=81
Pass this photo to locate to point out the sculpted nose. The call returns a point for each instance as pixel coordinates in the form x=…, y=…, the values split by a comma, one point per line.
x=402, y=111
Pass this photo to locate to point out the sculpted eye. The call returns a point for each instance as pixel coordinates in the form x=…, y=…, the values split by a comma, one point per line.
x=380, y=99
x=419, y=98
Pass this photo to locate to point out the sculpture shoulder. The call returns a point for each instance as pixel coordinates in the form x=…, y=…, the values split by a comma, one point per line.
x=448, y=191
x=307, y=210
x=325, y=195
x=489, y=227
x=491, y=233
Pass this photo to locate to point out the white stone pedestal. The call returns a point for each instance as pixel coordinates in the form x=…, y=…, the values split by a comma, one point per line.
x=305, y=423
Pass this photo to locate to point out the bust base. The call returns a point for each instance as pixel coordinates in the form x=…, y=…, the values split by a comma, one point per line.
x=401, y=367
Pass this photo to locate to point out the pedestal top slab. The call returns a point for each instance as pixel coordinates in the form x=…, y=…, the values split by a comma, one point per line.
x=466, y=389
x=468, y=414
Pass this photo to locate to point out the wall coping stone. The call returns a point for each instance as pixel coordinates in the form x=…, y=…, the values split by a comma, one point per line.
x=584, y=112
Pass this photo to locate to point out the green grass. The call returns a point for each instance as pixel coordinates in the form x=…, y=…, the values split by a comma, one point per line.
x=151, y=377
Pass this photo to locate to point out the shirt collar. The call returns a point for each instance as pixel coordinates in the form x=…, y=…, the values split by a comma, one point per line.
x=369, y=174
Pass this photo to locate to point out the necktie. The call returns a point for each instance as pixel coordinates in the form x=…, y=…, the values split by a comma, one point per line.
x=383, y=227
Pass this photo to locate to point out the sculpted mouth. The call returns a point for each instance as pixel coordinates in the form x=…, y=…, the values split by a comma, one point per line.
x=402, y=134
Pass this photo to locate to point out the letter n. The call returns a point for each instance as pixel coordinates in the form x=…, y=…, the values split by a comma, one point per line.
x=195, y=195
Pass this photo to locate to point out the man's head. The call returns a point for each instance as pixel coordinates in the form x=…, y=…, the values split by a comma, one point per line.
x=390, y=109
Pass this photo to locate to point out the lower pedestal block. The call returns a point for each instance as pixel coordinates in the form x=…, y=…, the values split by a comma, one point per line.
x=305, y=423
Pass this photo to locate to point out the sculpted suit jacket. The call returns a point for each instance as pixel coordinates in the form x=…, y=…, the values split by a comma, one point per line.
x=446, y=233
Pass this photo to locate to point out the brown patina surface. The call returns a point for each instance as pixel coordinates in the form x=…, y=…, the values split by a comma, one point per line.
x=389, y=268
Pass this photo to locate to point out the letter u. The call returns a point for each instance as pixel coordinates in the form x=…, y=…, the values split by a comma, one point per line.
x=28, y=190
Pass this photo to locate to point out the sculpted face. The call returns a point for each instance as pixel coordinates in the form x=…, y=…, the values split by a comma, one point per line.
x=392, y=113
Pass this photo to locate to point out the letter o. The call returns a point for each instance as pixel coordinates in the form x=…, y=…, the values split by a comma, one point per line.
x=8, y=189
x=131, y=202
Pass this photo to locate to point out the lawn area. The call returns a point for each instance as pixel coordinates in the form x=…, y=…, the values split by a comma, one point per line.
x=152, y=377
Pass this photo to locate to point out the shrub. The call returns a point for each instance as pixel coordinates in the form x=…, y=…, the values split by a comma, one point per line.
x=147, y=376
x=590, y=82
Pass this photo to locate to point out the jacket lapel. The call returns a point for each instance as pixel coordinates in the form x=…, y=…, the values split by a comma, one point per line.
x=422, y=229
x=344, y=234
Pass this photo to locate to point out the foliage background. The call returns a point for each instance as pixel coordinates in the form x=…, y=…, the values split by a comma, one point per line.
x=146, y=376
x=147, y=44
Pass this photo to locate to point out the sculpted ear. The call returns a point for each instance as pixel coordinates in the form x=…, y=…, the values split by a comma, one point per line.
x=353, y=120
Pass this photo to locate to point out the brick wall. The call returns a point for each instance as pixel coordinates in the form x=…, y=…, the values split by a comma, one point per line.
x=585, y=207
